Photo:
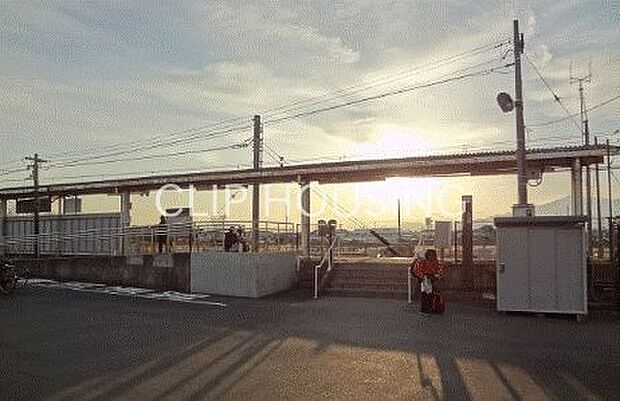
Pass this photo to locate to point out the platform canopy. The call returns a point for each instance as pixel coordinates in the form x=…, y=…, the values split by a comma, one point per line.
x=474, y=164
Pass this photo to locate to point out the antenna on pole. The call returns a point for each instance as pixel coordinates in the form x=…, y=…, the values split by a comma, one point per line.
x=580, y=80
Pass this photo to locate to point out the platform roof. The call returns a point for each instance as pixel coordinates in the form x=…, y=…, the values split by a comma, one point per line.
x=475, y=164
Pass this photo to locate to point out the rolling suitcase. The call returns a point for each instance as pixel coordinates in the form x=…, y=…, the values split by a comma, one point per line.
x=438, y=303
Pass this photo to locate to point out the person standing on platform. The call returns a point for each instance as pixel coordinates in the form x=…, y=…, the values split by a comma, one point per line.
x=230, y=240
x=162, y=236
x=428, y=271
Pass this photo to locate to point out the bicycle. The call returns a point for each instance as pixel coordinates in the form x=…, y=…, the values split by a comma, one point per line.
x=12, y=276
x=8, y=277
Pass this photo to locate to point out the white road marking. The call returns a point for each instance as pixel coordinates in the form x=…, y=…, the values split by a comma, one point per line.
x=134, y=292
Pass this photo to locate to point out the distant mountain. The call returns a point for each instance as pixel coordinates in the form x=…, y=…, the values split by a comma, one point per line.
x=562, y=207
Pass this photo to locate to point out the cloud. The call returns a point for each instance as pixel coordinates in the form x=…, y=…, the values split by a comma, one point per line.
x=74, y=76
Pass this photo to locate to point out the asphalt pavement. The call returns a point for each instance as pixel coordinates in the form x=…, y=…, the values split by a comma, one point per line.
x=66, y=344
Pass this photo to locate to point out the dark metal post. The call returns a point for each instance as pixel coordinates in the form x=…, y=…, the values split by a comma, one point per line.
x=467, y=241
x=399, y=225
x=456, y=243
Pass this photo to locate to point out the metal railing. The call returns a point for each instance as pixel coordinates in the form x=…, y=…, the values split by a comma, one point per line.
x=329, y=258
x=140, y=240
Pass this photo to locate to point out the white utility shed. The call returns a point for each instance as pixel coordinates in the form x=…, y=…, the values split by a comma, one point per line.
x=541, y=264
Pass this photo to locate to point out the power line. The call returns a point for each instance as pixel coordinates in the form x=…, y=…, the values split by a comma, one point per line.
x=373, y=83
x=159, y=156
x=162, y=140
x=211, y=135
x=168, y=171
x=197, y=135
x=341, y=209
x=555, y=96
x=602, y=104
x=274, y=155
x=391, y=93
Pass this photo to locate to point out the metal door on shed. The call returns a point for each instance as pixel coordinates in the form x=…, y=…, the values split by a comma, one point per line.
x=512, y=269
x=542, y=256
x=571, y=284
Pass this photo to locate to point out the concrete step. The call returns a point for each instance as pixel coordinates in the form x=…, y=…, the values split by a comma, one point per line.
x=368, y=286
x=365, y=281
x=451, y=296
x=342, y=266
x=364, y=293
x=370, y=277
x=369, y=272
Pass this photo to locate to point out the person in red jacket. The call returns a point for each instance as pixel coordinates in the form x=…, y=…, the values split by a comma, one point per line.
x=427, y=270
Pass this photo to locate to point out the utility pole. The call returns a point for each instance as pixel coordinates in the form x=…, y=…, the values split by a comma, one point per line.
x=611, y=211
x=257, y=143
x=399, y=225
x=36, y=161
x=586, y=137
x=518, y=104
x=599, y=221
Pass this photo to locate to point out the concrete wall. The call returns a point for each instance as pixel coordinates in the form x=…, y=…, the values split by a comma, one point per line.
x=160, y=272
x=252, y=275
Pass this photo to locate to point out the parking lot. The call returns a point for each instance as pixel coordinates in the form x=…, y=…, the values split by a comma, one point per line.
x=62, y=343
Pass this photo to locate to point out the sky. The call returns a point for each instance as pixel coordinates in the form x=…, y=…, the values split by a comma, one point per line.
x=78, y=78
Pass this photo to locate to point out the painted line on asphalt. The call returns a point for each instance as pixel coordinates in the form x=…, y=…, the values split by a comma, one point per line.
x=134, y=292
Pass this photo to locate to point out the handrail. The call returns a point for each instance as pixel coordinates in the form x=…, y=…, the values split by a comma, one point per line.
x=109, y=240
x=330, y=266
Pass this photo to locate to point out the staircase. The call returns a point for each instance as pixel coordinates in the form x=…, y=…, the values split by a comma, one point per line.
x=368, y=280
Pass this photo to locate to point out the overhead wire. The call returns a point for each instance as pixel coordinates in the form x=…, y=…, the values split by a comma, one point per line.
x=341, y=209
x=163, y=140
x=553, y=93
x=157, y=156
x=388, y=78
x=289, y=107
x=597, y=106
x=211, y=135
x=389, y=93
x=195, y=134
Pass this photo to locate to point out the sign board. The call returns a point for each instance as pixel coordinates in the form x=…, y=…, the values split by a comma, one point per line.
x=31, y=205
x=443, y=234
x=72, y=205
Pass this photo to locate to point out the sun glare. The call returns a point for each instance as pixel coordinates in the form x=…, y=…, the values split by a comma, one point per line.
x=393, y=141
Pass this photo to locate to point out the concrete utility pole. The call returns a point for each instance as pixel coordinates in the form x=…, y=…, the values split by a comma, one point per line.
x=599, y=221
x=518, y=104
x=611, y=210
x=258, y=162
x=36, y=161
x=586, y=137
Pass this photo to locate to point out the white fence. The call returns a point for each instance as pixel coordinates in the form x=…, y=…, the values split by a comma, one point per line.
x=90, y=234
x=101, y=234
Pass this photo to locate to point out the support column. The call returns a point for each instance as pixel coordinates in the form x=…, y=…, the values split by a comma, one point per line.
x=3, y=211
x=125, y=221
x=576, y=189
x=467, y=236
x=305, y=219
